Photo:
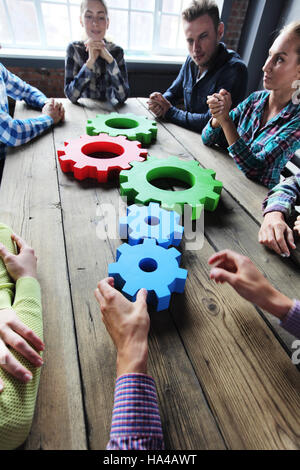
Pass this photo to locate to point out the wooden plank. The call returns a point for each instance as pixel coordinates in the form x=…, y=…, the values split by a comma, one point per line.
x=30, y=203
x=250, y=382
x=88, y=259
x=231, y=227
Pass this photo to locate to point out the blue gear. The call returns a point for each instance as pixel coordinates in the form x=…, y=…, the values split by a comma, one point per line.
x=151, y=222
x=151, y=267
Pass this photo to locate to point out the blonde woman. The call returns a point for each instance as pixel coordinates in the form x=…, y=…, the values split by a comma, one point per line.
x=95, y=68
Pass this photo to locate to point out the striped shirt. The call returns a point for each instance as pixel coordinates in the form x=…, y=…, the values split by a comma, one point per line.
x=14, y=132
x=261, y=152
x=105, y=82
x=284, y=196
x=136, y=422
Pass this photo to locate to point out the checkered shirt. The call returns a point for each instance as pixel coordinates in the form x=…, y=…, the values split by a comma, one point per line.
x=105, y=82
x=260, y=152
x=14, y=132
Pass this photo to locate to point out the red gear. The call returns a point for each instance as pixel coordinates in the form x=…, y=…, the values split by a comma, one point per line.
x=75, y=158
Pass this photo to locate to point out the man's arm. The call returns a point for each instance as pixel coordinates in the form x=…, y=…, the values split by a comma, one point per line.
x=136, y=422
x=283, y=197
x=233, y=79
x=20, y=90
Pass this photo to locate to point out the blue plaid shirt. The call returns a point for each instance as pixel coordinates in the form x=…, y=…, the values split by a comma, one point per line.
x=260, y=152
x=14, y=132
x=284, y=196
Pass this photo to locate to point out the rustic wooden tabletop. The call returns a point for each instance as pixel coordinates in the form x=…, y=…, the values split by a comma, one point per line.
x=224, y=375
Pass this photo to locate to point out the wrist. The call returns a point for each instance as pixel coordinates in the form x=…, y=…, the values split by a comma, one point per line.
x=133, y=360
x=278, y=304
x=89, y=64
x=26, y=275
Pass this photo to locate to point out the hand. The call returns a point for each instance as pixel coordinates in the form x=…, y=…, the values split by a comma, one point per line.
x=248, y=282
x=23, y=264
x=297, y=225
x=158, y=104
x=55, y=110
x=128, y=326
x=97, y=49
x=276, y=234
x=220, y=105
x=14, y=333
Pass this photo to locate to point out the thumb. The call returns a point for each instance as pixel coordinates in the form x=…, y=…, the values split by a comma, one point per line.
x=221, y=275
x=142, y=296
x=3, y=251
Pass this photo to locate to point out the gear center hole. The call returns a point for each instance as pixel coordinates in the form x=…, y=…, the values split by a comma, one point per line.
x=121, y=123
x=170, y=179
x=102, y=150
x=148, y=265
x=151, y=220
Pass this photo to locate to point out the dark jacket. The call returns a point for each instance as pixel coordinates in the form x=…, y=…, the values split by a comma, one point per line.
x=227, y=71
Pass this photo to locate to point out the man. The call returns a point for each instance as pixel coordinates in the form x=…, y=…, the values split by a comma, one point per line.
x=14, y=132
x=209, y=68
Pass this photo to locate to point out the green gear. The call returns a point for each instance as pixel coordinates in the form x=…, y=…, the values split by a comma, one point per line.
x=131, y=126
x=205, y=190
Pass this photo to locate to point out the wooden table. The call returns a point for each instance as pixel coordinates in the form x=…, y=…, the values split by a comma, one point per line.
x=222, y=367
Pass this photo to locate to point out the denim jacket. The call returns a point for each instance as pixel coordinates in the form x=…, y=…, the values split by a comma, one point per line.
x=227, y=71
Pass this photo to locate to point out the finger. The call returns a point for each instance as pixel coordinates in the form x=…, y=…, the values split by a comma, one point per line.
x=27, y=334
x=19, y=344
x=106, y=289
x=13, y=367
x=98, y=296
x=226, y=259
x=1, y=385
x=142, y=296
x=281, y=241
x=290, y=238
x=271, y=241
x=21, y=244
x=4, y=253
x=221, y=276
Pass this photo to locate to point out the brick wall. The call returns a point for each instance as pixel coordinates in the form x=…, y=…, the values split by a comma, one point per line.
x=51, y=81
x=235, y=23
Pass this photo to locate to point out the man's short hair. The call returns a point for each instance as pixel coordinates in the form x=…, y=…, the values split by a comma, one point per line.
x=202, y=7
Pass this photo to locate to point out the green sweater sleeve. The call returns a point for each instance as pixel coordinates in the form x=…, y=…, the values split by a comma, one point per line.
x=7, y=287
x=17, y=401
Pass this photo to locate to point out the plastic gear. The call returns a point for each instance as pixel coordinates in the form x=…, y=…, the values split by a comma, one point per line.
x=131, y=126
x=151, y=267
x=151, y=222
x=75, y=157
x=205, y=190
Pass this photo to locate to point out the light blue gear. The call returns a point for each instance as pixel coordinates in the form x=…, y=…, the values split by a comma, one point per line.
x=151, y=267
x=151, y=222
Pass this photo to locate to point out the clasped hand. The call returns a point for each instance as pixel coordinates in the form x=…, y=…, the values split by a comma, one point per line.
x=13, y=332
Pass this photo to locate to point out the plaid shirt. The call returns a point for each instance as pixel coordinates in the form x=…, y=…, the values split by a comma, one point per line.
x=105, y=82
x=15, y=132
x=284, y=196
x=260, y=152
x=136, y=422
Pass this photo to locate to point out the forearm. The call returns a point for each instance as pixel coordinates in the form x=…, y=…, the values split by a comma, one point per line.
x=74, y=85
x=15, y=132
x=7, y=286
x=230, y=131
x=192, y=121
x=283, y=197
x=118, y=88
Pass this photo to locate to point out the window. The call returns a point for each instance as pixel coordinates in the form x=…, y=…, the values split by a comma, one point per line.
x=143, y=27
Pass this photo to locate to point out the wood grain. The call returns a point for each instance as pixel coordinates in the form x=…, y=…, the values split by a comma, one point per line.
x=30, y=203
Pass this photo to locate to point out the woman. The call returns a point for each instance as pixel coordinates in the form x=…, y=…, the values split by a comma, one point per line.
x=95, y=68
x=263, y=132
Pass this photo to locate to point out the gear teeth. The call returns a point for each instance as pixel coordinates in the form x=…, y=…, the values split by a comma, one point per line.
x=85, y=166
x=148, y=266
x=204, y=192
x=129, y=125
